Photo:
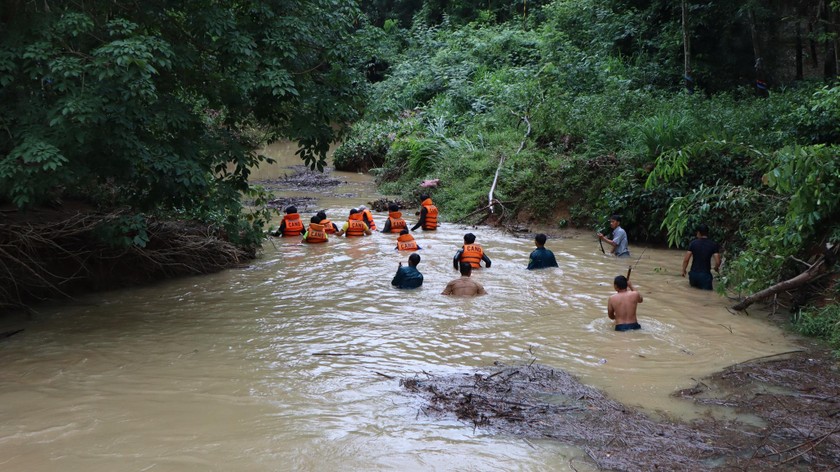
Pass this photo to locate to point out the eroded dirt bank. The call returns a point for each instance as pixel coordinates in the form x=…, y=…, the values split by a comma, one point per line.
x=797, y=400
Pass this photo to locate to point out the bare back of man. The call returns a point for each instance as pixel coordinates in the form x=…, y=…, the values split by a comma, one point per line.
x=464, y=286
x=621, y=306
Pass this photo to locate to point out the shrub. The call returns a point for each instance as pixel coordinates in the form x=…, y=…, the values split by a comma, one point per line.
x=366, y=147
x=823, y=323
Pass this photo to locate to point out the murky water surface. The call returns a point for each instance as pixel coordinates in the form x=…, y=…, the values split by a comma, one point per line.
x=282, y=365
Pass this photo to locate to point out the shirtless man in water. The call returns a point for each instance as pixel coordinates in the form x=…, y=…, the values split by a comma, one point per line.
x=464, y=285
x=622, y=305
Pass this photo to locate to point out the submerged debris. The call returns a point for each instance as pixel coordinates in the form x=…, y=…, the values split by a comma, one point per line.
x=536, y=401
x=303, y=204
x=382, y=204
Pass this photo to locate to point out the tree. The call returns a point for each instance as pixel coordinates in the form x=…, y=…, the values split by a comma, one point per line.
x=154, y=104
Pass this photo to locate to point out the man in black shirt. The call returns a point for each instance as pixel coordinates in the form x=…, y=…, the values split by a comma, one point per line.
x=703, y=250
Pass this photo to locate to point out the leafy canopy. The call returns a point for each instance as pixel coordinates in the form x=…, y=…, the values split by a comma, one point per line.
x=154, y=105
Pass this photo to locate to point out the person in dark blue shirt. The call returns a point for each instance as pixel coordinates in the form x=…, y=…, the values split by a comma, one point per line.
x=541, y=258
x=408, y=277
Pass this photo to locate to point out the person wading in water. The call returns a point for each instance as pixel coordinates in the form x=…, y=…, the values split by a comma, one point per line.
x=621, y=306
x=464, y=285
x=428, y=215
x=619, y=238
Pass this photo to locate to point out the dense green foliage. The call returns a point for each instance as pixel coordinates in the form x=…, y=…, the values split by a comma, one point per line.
x=595, y=92
x=152, y=105
x=823, y=323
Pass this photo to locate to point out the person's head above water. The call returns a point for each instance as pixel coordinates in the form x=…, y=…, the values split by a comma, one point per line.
x=620, y=282
x=414, y=259
x=465, y=268
x=291, y=209
x=540, y=239
x=469, y=238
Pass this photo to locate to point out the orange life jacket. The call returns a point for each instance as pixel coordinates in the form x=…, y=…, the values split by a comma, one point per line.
x=397, y=223
x=367, y=215
x=355, y=225
x=431, y=222
x=316, y=234
x=328, y=226
x=472, y=254
x=294, y=227
x=406, y=242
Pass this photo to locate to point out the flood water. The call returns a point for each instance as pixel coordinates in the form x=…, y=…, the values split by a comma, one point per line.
x=285, y=364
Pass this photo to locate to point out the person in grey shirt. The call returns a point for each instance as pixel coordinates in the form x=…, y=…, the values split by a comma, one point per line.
x=619, y=238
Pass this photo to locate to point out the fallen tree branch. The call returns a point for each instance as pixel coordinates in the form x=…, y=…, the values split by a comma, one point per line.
x=795, y=282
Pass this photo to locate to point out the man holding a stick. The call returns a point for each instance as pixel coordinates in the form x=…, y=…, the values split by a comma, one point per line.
x=621, y=306
x=619, y=238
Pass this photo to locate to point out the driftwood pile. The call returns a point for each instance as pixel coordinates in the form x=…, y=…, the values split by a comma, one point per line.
x=798, y=400
x=535, y=401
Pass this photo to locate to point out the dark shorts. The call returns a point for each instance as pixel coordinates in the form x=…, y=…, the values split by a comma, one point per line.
x=627, y=326
x=701, y=280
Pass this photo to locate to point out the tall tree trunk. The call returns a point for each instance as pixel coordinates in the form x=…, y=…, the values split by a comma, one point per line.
x=799, y=71
x=687, y=75
x=829, y=21
x=760, y=81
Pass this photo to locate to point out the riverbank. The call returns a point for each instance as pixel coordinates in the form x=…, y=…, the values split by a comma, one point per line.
x=57, y=253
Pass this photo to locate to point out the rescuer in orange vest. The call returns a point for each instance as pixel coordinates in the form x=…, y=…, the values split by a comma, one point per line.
x=395, y=222
x=471, y=253
x=428, y=215
x=355, y=225
x=315, y=234
x=406, y=242
x=329, y=226
x=367, y=217
x=291, y=225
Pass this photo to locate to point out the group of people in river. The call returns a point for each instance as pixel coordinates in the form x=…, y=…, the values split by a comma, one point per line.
x=621, y=306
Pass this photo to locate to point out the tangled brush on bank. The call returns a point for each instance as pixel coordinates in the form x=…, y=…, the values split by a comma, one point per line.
x=537, y=401
x=534, y=401
x=58, y=257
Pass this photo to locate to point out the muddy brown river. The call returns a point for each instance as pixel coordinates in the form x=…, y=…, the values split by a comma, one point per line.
x=285, y=364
